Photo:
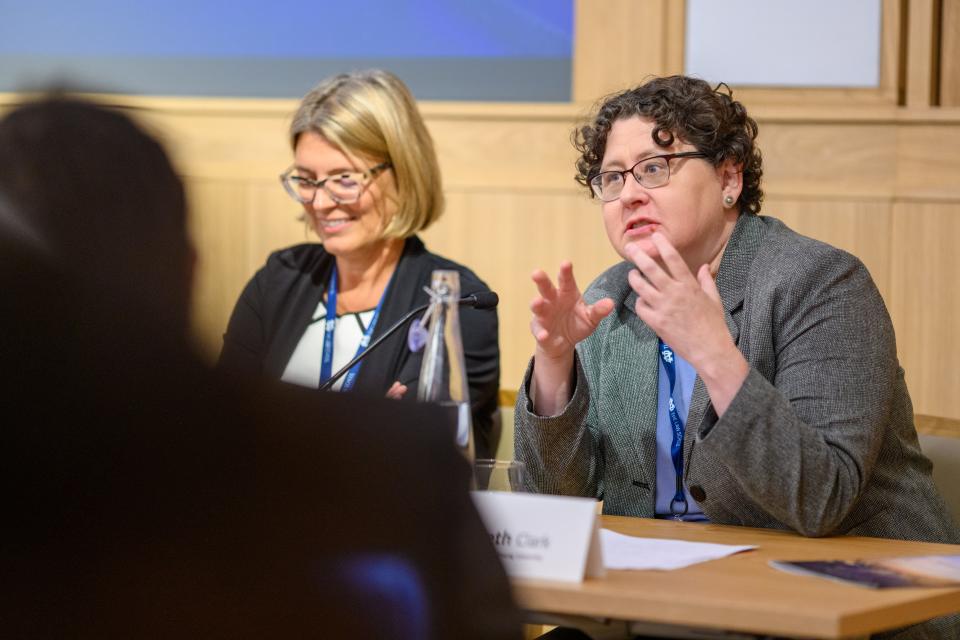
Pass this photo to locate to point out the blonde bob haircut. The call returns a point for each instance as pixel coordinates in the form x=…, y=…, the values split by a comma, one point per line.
x=372, y=115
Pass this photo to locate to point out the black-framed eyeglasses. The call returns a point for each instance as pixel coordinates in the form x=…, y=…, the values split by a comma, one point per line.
x=343, y=188
x=650, y=172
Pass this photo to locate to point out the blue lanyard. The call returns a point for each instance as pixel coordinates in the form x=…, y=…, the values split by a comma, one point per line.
x=330, y=327
x=676, y=446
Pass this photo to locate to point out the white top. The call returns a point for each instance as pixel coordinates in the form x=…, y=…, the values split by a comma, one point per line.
x=304, y=365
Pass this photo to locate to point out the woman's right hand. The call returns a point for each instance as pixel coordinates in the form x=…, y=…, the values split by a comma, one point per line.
x=561, y=319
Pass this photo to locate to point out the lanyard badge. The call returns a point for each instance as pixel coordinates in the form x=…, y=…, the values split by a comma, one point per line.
x=678, y=505
x=330, y=327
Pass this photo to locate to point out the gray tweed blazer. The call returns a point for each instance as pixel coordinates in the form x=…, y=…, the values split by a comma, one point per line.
x=820, y=438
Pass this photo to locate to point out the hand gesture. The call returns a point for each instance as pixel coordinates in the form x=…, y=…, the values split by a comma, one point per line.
x=561, y=318
x=687, y=313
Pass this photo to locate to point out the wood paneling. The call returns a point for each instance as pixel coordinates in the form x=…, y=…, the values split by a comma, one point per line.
x=928, y=161
x=239, y=146
x=921, y=43
x=925, y=302
x=893, y=36
x=930, y=425
x=515, y=155
x=950, y=54
x=235, y=224
x=617, y=43
x=851, y=160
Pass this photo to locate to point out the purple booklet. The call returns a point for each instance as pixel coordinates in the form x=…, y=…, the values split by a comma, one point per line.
x=882, y=573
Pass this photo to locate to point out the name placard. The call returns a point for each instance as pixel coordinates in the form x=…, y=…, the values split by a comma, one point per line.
x=541, y=536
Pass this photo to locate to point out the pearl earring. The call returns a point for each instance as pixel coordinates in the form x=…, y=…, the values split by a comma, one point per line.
x=728, y=200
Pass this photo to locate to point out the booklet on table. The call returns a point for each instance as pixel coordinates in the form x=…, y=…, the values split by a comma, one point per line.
x=882, y=573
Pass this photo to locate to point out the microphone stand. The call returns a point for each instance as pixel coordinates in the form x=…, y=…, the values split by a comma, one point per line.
x=469, y=301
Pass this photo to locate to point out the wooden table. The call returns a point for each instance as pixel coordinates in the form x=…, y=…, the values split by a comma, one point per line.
x=742, y=592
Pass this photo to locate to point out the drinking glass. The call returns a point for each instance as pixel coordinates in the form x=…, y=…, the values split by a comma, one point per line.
x=500, y=475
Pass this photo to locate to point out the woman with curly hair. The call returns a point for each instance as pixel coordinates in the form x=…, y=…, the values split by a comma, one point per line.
x=729, y=369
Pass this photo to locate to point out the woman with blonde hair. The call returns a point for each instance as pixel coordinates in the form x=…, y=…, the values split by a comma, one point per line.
x=366, y=174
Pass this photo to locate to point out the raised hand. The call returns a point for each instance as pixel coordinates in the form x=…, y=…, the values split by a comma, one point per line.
x=561, y=318
x=686, y=312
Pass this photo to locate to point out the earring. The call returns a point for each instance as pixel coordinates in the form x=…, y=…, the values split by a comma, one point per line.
x=728, y=200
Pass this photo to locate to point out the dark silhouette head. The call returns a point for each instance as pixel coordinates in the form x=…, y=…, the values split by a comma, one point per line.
x=103, y=196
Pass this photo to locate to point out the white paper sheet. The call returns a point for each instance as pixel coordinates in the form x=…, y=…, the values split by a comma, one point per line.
x=629, y=552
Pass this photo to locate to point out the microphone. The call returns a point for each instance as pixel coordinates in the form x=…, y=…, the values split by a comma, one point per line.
x=478, y=300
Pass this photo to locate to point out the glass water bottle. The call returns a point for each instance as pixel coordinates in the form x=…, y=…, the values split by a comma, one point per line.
x=443, y=373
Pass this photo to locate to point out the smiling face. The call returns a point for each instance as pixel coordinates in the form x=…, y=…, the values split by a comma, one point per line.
x=346, y=230
x=689, y=209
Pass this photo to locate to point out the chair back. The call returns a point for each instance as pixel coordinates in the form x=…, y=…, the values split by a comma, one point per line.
x=944, y=452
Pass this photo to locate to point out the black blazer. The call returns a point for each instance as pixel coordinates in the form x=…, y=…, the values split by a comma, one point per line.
x=278, y=304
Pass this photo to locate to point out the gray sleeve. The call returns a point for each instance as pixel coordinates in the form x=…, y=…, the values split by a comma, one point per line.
x=561, y=452
x=802, y=442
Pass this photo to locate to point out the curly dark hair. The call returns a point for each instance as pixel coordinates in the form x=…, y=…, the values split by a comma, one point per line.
x=685, y=108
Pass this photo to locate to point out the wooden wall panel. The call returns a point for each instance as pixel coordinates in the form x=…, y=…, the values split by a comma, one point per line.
x=493, y=155
x=216, y=142
x=950, y=54
x=235, y=224
x=925, y=303
x=928, y=160
x=505, y=236
x=219, y=234
x=617, y=43
x=818, y=159
x=921, y=43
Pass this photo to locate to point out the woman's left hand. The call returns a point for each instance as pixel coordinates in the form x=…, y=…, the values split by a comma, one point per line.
x=686, y=312
x=396, y=390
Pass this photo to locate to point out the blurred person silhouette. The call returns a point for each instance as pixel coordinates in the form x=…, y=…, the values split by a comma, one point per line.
x=145, y=495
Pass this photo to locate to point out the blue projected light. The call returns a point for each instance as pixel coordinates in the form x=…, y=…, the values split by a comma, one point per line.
x=443, y=49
